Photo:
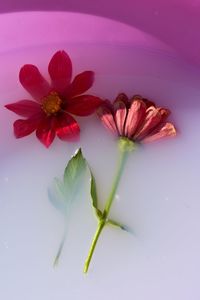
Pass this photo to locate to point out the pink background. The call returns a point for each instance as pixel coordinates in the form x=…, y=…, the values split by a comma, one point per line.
x=175, y=22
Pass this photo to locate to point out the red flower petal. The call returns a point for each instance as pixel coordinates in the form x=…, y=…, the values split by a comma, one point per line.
x=25, y=127
x=67, y=128
x=106, y=117
x=60, y=71
x=83, y=105
x=167, y=130
x=46, y=131
x=24, y=108
x=33, y=82
x=135, y=117
x=152, y=120
x=81, y=83
x=120, y=115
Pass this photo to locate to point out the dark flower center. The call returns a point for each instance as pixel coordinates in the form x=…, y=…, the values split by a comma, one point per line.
x=51, y=104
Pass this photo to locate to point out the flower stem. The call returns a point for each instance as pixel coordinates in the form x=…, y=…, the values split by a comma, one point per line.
x=121, y=163
x=93, y=245
x=125, y=147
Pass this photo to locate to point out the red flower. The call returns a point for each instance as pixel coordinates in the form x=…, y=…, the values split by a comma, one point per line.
x=49, y=114
x=137, y=119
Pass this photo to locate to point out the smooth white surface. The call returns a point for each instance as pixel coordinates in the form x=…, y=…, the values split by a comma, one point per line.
x=158, y=196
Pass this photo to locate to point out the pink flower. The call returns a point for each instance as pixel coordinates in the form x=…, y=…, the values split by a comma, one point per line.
x=48, y=114
x=137, y=119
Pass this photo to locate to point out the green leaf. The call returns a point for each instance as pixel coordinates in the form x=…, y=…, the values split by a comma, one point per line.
x=93, y=193
x=57, y=196
x=74, y=172
x=119, y=225
x=73, y=178
x=63, y=193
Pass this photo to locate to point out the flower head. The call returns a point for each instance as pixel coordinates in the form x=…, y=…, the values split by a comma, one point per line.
x=137, y=119
x=48, y=114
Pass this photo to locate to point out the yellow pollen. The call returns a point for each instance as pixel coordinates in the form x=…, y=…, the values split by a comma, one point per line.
x=51, y=104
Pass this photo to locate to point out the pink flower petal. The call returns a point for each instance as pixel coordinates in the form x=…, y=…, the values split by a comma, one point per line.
x=106, y=117
x=135, y=117
x=164, y=113
x=46, y=131
x=147, y=102
x=24, y=108
x=25, y=127
x=83, y=105
x=152, y=120
x=67, y=128
x=60, y=71
x=120, y=115
x=122, y=97
x=167, y=130
x=33, y=82
x=81, y=83
x=107, y=104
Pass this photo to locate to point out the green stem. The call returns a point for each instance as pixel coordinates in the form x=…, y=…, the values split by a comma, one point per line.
x=125, y=147
x=93, y=245
x=121, y=163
